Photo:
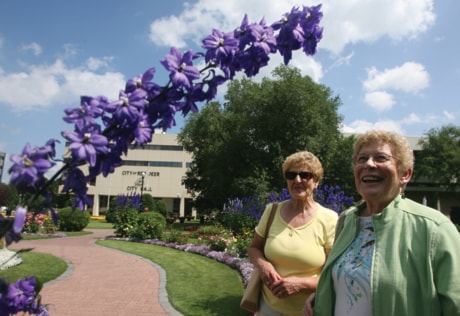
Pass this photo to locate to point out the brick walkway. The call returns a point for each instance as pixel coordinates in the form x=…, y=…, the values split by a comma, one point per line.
x=100, y=281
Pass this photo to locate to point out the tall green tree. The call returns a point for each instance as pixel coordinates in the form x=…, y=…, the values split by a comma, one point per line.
x=8, y=196
x=238, y=147
x=439, y=159
x=339, y=170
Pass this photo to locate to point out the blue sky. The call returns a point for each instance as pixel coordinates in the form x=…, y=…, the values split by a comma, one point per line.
x=394, y=63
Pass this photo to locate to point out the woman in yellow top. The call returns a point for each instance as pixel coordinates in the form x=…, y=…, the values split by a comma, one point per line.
x=291, y=257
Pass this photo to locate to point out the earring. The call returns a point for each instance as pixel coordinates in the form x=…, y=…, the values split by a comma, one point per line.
x=402, y=193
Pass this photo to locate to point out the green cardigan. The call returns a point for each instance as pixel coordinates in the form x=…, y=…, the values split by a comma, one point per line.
x=416, y=262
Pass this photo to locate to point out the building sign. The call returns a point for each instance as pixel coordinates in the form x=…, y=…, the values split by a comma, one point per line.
x=138, y=182
x=139, y=173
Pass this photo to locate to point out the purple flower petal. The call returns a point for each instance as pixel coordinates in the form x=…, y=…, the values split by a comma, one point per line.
x=19, y=219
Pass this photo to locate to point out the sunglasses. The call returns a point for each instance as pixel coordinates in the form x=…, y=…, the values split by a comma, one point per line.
x=304, y=175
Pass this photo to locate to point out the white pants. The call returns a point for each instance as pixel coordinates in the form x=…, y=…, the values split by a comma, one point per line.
x=265, y=310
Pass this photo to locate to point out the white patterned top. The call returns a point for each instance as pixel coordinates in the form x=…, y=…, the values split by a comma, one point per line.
x=352, y=271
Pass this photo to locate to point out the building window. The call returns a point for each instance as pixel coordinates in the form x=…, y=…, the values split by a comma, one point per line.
x=169, y=164
x=160, y=147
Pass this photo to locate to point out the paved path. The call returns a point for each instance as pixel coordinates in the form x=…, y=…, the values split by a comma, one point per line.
x=101, y=281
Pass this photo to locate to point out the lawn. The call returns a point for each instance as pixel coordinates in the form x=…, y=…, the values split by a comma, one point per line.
x=196, y=285
x=99, y=224
x=44, y=267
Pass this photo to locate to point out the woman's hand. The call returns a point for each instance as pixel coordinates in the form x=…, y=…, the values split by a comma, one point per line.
x=284, y=287
x=309, y=304
x=268, y=274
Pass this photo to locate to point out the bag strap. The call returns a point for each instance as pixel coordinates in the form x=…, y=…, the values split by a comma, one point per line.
x=270, y=219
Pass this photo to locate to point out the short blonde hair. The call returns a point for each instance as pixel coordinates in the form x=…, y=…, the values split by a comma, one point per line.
x=400, y=147
x=305, y=158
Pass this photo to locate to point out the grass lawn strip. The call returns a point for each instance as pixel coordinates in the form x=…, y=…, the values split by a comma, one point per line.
x=44, y=267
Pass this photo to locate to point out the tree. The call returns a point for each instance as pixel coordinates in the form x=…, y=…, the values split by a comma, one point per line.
x=439, y=159
x=238, y=147
x=8, y=196
x=339, y=170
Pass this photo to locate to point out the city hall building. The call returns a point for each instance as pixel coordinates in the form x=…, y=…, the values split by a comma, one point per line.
x=156, y=169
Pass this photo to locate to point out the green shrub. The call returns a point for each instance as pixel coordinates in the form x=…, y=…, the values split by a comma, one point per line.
x=150, y=225
x=125, y=221
x=238, y=223
x=174, y=236
x=72, y=220
x=110, y=215
x=241, y=245
x=209, y=230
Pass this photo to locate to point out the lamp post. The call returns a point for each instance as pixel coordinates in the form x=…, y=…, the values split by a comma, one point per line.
x=142, y=182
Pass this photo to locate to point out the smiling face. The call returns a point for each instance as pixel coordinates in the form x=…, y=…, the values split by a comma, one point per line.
x=377, y=178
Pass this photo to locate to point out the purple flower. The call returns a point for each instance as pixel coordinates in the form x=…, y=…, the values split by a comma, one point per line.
x=85, y=143
x=258, y=35
x=21, y=293
x=19, y=219
x=141, y=81
x=90, y=108
x=75, y=181
x=181, y=67
x=243, y=34
x=193, y=95
x=220, y=46
x=143, y=132
x=252, y=60
x=29, y=167
x=313, y=33
x=290, y=36
x=130, y=105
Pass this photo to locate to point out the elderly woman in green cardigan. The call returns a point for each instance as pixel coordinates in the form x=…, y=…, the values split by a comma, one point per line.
x=393, y=256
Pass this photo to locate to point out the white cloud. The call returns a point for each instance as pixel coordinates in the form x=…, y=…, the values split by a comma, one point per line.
x=410, y=77
x=344, y=22
x=98, y=63
x=307, y=66
x=348, y=22
x=34, y=47
x=412, y=119
x=69, y=51
x=46, y=85
x=379, y=100
x=448, y=115
x=197, y=20
x=361, y=126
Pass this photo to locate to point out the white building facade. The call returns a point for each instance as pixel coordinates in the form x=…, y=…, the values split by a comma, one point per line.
x=156, y=169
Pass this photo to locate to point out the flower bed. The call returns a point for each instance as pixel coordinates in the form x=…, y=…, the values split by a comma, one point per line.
x=241, y=264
